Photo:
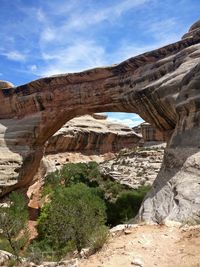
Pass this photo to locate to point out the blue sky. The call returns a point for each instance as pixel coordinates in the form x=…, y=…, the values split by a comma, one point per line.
x=45, y=37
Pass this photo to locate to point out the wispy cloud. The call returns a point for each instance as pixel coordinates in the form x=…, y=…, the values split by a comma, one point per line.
x=110, y=13
x=14, y=55
x=50, y=37
x=128, y=119
x=125, y=118
x=164, y=30
x=79, y=55
x=33, y=68
x=65, y=47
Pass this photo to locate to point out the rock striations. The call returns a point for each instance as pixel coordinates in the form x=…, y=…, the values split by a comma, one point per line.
x=162, y=86
x=150, y=132
x=92, y=135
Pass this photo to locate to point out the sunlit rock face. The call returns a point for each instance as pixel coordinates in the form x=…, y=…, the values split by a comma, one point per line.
x=192, y=30
x=5, y=84
x=92, y=135
x=162, y=86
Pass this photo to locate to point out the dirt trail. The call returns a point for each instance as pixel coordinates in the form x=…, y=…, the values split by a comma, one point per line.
x=159, y=246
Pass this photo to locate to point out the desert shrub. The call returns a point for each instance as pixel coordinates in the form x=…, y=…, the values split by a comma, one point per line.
x=13, y=224
x=98, y=238
x=73, y=173
x=112, y=189
x=122, y=203
x=126, y=205
x=72, y=216
x=12, y=263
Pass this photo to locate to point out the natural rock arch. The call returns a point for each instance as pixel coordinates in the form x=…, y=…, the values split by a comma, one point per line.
x=162, y=86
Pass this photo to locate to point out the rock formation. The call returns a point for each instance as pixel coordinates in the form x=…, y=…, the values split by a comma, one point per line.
x=150, y=132
x=92, y=135
x=162, y=86
x=136, y=167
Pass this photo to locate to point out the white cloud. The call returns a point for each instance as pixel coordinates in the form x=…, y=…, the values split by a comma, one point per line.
x=128, y=122
x=40, y=15
x=79, y=55
x=66, y=38
x=84, y=54
x=129, y=119
x=164, y=31
x=109, y=13
x=78, y=20
x=122, y=7
x=14, y=55
x=32, y=68
x=48, y=35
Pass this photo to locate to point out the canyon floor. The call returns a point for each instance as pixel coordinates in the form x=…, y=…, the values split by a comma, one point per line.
x=148, y=246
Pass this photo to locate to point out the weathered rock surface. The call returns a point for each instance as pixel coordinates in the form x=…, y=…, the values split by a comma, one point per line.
x=5, y=84
x=92, y=135
x=162, y=86
x=137, y=167
x=150, y=132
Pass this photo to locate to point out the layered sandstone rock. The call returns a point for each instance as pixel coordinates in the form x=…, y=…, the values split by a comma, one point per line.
x=151, y=133
x=162, y=86
x=136, y=167
x=92, y=135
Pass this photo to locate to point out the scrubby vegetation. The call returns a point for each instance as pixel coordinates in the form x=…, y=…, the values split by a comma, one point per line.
x=122, y=202
x=71, y=218
x=13, y=225
x=79, y=205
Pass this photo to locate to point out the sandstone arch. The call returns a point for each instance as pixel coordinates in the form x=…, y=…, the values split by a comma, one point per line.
x=162, y=86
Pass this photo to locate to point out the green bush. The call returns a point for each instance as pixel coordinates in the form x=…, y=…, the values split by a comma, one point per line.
x=122, y=203
x=73, y=173
x=98, y=238
x=13, y=224
x=72, y=216
x=126, y=205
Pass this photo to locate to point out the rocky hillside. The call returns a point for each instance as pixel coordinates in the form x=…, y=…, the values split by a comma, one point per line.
x=135, y=167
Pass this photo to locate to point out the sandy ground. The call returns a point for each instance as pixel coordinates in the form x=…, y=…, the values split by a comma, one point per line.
x=150, y=246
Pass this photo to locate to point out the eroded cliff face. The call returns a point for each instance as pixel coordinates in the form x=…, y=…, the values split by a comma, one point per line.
x=162, y=86
x=150, y=132
x=92, y=135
